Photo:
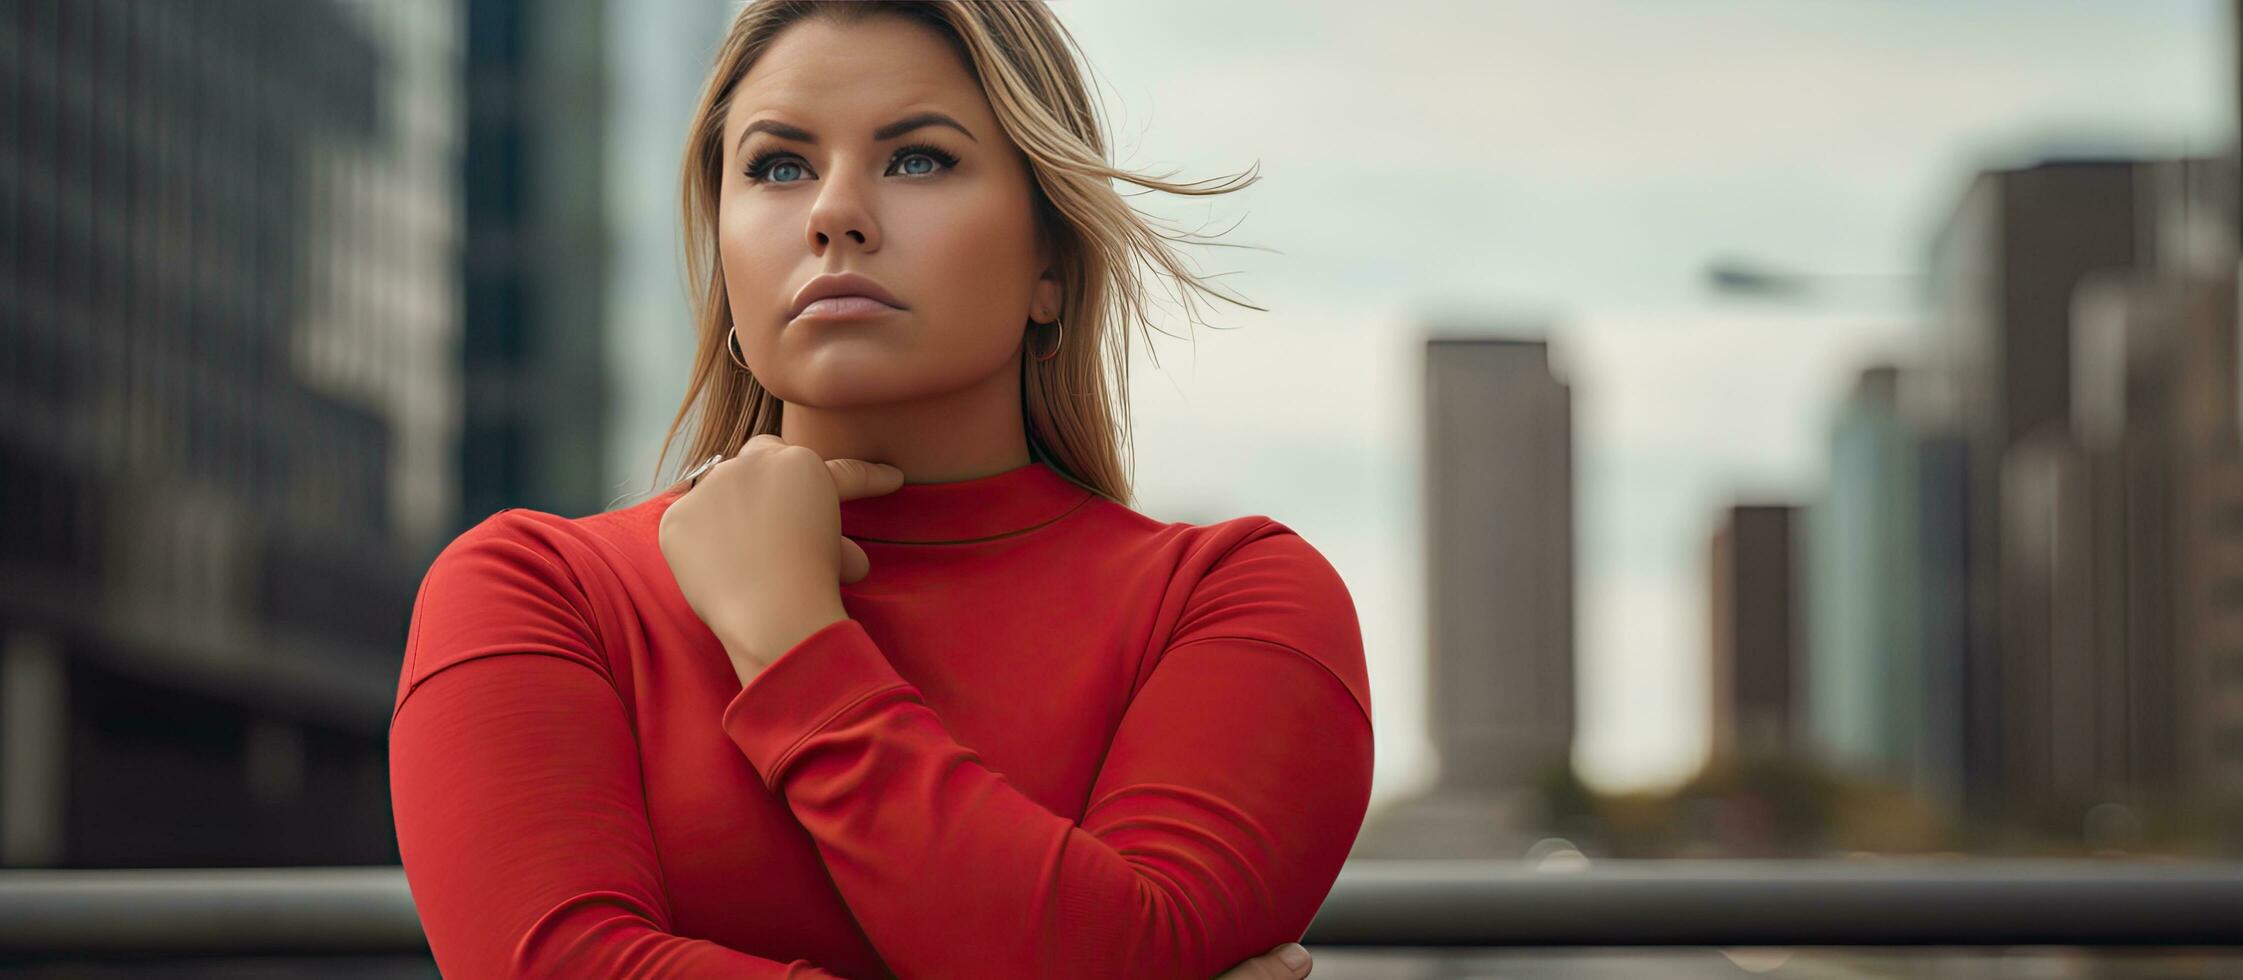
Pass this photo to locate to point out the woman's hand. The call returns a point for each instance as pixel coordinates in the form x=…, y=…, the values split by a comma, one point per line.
x=1270, y=966
x=756, y=545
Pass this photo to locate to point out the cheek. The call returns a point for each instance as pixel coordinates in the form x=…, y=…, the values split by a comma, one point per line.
x=974, y=261
x=747, y=250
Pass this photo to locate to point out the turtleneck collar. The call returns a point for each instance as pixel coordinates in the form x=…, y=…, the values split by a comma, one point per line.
x=1019, y=499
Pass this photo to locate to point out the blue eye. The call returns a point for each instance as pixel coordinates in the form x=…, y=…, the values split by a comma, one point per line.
x=760, y=169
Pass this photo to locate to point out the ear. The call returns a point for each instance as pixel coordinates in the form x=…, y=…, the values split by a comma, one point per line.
x=1045, y=307
x=1044, y=303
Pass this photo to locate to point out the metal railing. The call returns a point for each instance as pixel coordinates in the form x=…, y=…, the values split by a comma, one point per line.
x=364, y=911
x=1966, y=902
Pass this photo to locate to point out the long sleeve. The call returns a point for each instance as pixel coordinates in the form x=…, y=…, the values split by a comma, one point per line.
x=515, y=785
x=1231, y=793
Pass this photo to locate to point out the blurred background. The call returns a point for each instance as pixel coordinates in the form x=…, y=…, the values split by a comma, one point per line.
x=1748, y=429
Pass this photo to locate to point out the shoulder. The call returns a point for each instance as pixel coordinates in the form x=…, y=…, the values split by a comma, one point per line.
x=511, y=583
x=1255, y=578
x=513, y=548
x=567, y=565
x=575, y=555
x=1258, y=552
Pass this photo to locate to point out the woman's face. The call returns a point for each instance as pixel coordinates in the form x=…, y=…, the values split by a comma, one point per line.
x=937, y=214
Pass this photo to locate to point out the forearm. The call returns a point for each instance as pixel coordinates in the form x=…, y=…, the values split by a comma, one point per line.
x=1185, y=863
x=528, y=862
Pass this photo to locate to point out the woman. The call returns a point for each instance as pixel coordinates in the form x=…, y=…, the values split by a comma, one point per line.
x=900, y=686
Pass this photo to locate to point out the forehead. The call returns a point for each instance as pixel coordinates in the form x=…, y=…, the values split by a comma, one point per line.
x=818, y=73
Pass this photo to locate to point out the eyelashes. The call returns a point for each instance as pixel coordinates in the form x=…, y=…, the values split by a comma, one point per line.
x=759, y=168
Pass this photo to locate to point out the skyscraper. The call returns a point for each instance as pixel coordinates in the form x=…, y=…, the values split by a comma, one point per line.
x=2087, y=314
x=536, y=383
x=228, y=299
x=2003, y=268
x=1754, y=615
x=1500, y=598
x=2157, y=431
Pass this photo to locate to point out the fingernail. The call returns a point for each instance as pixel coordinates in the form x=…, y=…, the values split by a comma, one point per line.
x=1294, y=955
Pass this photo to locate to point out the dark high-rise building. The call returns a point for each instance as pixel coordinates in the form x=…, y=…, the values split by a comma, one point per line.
x=2003, y=268
x=228, y=298
x=2159, y=455
x=536, y=384
x=1755, y=631
x=2087, y=317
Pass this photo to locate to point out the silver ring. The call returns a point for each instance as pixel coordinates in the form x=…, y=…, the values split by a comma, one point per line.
x=694, y=478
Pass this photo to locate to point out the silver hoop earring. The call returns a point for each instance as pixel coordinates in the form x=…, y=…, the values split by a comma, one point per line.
x=732, y=347
x=1062, y=332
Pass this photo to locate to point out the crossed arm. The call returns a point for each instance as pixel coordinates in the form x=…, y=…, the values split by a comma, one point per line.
x=1220, y=817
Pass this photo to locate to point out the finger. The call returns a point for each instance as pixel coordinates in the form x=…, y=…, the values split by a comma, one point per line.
x=854, y=478
x=854, y=563
x=1263, y=967
x=1272, y=964
x=1258, y=968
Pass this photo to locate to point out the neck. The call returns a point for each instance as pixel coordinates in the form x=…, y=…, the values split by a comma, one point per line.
x=958, y=435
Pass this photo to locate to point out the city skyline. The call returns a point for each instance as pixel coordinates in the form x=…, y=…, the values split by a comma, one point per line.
x=1632, y=145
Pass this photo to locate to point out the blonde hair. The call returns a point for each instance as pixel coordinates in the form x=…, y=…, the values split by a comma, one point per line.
x=1074, y=406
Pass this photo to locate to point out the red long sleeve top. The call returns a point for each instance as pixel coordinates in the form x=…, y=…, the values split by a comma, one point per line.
x=1054, y=737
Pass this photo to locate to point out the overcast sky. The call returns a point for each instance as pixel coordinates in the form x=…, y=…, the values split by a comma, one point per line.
x=1569, y=168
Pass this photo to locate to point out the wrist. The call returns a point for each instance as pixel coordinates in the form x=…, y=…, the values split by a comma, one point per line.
x=759, y=638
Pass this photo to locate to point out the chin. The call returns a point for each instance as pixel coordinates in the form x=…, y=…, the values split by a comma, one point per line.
x=886, y=379
x=846, y=383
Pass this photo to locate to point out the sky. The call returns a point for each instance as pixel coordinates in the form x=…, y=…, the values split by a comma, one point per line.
x=1568, y=170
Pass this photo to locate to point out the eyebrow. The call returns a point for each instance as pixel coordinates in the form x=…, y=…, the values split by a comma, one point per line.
x=887, y=132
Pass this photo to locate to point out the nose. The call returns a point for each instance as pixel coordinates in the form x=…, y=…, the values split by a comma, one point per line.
x=841, y=214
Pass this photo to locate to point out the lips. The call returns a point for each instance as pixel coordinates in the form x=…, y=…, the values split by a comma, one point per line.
x=845, y=306
x=843, y=293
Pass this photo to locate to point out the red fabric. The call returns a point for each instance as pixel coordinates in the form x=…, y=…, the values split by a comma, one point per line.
x=1055, y=738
